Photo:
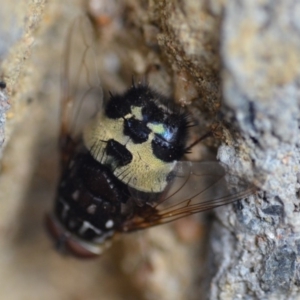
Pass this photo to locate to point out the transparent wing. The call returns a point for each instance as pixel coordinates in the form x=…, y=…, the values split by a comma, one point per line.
x=194, y=187
x=81, y=91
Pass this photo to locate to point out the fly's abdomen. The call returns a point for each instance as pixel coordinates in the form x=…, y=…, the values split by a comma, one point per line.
x=90, y=201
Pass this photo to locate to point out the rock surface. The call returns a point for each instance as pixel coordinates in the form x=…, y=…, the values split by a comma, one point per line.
x=231, y=62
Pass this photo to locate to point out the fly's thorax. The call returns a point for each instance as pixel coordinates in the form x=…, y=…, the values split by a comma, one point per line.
x=133, y=163
x=99, y=131
x=140, y=137
x=145, y=172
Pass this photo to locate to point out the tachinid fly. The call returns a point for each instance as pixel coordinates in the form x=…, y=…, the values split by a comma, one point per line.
x=123, y=171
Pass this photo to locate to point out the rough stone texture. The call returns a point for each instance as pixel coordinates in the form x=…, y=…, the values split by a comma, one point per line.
x=19, y=21
x=260, y=49
x=4, y=106
x=235, y=62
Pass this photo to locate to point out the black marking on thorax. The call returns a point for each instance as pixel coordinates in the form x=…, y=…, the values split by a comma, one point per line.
x=121, y=155
x=137, y=130
x=168, y=145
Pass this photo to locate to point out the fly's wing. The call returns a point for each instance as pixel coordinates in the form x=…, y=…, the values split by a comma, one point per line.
x=81, y=92
x=194, y=187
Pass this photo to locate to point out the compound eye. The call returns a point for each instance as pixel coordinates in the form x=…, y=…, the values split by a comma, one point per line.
x=66, y=243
